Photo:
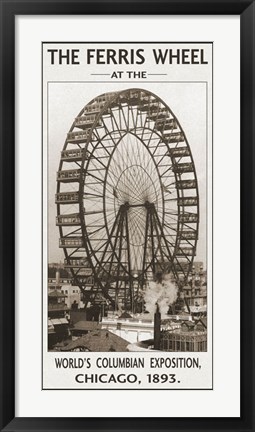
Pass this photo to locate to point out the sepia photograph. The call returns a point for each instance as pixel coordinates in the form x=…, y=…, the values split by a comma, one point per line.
x=127, y=217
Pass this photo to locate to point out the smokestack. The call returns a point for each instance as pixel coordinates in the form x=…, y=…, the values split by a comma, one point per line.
x=57, y=278
x=157, y=322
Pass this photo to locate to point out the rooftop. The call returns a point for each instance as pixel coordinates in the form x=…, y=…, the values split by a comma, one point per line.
x=98, y=341
x=56, y=294
x=86, y=325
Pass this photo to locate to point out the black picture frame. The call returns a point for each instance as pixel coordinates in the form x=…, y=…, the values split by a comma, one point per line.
x=8, y=10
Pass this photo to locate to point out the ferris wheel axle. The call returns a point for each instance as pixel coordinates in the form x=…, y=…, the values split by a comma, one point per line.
x=147, y=205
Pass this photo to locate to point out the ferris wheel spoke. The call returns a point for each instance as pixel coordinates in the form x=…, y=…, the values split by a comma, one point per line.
x=133, y=118
x=92, y=195
x=124, y=186
x=115, y=124
x=100, y=141
x=114, y=246
x=134, y=227
x=93, y=221
x=130, y=193
x=172, y=228
x=164, y=173
x=170, y=213
x=73, y=232
x=108, y=133
x=119, y=118
x=93, y=187
x=124, y=117
x=172, y=223
x=91, y=233
x=139, y=236
x=168, y=187
x=136, y=120
x=98, y=159
x=157, y=146
x=150, y=163
x=118, y=161
x=137, y=219
x=100, y=180
x=160, y=232
x=162, y=157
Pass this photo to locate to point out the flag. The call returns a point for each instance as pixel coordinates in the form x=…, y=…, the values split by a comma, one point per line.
x=165, y=189
x=115, y=193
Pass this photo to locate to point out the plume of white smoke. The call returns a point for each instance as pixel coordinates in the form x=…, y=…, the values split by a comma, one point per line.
x=163, y=293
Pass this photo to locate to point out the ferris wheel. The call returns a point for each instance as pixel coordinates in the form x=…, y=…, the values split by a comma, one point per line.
x=127, y=197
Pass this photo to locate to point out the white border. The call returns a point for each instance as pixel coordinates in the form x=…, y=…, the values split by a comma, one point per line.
x=63, y=95
x=30, y=399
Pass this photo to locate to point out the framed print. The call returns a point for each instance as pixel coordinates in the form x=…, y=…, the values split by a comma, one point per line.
x=127, y=216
